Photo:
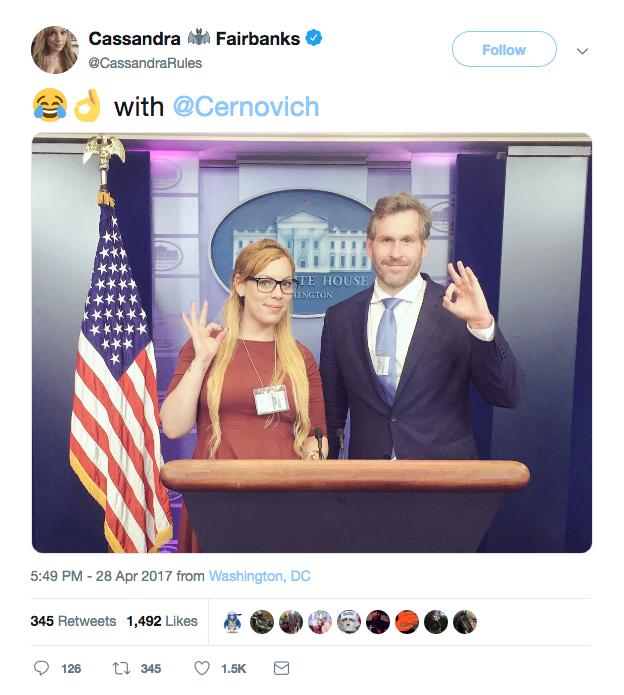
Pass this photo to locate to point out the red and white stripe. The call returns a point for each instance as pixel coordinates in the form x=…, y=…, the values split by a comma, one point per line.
x=115, y=441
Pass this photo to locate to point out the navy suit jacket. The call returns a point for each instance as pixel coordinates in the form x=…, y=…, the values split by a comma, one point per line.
x=430, y=417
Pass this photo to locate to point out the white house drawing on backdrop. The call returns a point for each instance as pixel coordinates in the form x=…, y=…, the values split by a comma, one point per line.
x=313, y=245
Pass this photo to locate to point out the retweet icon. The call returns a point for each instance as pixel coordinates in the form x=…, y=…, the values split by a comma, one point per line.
x=198, y=37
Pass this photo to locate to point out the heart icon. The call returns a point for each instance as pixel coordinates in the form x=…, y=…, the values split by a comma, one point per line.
x=202, y=667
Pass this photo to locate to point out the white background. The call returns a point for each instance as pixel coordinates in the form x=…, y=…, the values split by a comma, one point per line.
x=385, y=68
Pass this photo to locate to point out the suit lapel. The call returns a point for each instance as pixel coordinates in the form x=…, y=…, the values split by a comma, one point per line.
x=359, y=317
x=428, y=319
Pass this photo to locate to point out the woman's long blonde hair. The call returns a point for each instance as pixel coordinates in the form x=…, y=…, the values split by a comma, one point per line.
x=251, y=261
x=40, y=50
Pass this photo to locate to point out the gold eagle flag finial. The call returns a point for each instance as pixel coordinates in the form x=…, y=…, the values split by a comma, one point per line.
x=104, y=146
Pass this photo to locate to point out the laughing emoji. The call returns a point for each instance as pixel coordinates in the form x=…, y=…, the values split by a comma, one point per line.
x=50, y=105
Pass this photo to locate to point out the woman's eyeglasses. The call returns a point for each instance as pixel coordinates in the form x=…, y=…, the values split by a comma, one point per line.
x=269, y=284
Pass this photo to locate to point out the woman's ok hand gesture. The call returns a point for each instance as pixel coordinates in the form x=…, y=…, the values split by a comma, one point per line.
x=207, y=338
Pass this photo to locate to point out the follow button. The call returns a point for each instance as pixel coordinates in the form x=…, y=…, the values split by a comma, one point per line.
x=504, y=49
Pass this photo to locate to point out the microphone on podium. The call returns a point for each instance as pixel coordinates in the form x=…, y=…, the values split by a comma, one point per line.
x=340, y=434
x=318, y=433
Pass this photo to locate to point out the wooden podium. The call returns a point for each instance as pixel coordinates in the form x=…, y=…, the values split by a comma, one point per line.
x=348, y=506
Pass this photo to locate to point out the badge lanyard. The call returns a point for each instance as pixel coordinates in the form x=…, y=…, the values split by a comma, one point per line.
x=269, y=399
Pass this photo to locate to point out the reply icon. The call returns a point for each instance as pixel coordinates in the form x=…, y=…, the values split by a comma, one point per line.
x=41, y=667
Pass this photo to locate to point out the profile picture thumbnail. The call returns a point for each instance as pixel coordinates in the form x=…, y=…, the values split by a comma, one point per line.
x=261, y=622
x=465, y=622
x=406, y=622
x=232, y=622
x=436, y=622
x=54, y=50
x=320, y=622
x=290, y=622
x=377, y=622
x=349, y=622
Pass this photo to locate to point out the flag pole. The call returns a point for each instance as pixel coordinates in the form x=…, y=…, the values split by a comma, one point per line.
x=105, y=147
x=115, y=444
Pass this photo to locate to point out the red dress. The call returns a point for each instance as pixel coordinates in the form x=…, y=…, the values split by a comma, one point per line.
x=244, y=434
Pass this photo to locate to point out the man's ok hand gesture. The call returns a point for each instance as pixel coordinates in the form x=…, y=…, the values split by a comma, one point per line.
x=470, y=304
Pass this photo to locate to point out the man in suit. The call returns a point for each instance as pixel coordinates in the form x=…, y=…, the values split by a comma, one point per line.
x=400, y=355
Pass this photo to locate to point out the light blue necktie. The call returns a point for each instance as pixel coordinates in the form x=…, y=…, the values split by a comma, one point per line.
x=386, y=344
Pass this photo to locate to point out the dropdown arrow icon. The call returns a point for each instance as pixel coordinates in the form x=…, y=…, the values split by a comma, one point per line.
x=582, y=52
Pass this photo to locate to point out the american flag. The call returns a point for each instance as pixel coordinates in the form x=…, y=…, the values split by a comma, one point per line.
x=114, y=440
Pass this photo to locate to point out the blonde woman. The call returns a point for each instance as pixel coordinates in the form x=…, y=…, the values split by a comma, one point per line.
x=52, y=51
x=223, y=374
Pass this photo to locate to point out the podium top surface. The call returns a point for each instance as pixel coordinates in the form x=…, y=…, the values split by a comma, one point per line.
x=344, y=476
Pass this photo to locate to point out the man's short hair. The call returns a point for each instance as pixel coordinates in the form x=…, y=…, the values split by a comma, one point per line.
x=399, y=202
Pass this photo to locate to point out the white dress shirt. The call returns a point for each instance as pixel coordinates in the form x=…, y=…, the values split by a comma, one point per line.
x=406, y=315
